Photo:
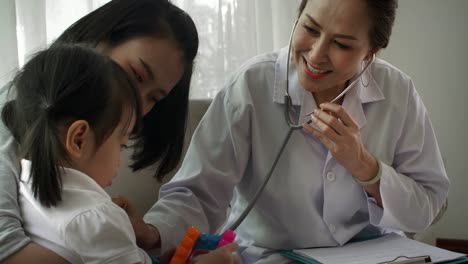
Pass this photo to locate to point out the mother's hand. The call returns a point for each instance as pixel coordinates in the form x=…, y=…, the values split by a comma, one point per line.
x=341, y=135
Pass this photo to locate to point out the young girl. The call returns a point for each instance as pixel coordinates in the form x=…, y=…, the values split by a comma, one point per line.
x=73, y=112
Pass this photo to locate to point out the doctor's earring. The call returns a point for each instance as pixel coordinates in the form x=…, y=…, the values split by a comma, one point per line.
x=363, y=66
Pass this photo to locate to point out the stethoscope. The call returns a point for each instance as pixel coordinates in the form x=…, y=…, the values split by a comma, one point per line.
x=292, y=128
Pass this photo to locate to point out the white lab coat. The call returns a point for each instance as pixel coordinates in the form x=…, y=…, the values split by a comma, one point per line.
x=311, y=200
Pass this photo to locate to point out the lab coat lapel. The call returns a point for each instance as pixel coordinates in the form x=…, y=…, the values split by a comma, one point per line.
x=295, y=89
x=307, y=107
x=365, y=91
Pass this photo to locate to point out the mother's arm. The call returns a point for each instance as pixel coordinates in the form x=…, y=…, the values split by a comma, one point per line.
x=15, y=245
x=33, y=253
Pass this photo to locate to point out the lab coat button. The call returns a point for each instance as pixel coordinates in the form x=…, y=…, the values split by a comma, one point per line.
x=331, y=176
x=332, y=228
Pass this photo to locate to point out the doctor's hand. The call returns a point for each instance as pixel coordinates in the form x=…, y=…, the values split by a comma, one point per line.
x=147, y=235
x=341, y=136
x=223, y=255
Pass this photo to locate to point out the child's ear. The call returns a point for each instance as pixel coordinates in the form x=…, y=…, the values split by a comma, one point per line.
x=78, y=138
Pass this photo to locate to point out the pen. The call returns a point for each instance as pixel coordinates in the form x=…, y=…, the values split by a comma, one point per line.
x=422, y=259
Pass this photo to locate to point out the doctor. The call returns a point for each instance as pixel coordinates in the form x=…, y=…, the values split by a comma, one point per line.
x=368, y=163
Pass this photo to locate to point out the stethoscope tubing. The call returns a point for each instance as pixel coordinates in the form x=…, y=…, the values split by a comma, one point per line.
x=249, y=207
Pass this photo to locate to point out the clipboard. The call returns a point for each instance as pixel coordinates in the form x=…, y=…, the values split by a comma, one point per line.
x=387, y=249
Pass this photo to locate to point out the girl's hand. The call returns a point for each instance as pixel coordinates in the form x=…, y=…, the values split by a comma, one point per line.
x=341, y=135
x=125, y=204
x=147, y=235
x=167, y=256
x=223, y=255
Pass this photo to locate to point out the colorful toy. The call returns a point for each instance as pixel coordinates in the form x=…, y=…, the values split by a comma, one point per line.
x=195, y=243
x=185, y=247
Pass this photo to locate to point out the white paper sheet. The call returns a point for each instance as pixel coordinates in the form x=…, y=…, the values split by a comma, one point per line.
x=378, y=250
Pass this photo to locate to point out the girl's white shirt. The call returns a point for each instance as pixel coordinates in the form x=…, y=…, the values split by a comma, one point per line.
x=85, y=227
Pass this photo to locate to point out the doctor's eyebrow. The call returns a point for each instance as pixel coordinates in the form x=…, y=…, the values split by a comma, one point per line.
x=336, y=35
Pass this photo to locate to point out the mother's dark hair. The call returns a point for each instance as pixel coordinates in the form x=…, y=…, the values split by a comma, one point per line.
x=162, y=136
x=382, y=16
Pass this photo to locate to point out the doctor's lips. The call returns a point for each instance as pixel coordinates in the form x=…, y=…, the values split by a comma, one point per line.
x=314, y=72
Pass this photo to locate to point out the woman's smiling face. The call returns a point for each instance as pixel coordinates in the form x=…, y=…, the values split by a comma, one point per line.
x=329, y=44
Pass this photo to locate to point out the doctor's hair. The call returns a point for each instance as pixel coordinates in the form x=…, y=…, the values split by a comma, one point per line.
x=382, y=17
x=57, y=87
x=162, y=137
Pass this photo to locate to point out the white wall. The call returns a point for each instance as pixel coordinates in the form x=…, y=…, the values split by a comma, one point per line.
x=429, y=43
x=9, y=60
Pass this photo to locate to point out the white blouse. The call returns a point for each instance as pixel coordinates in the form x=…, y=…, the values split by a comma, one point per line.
x=85, y=227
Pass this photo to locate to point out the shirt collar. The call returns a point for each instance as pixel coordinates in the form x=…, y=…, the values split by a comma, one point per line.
x=364, y=91
x=295, y=89
x=71, y=178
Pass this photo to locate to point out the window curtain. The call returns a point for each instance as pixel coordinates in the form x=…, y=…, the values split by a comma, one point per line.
x=230, y=32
